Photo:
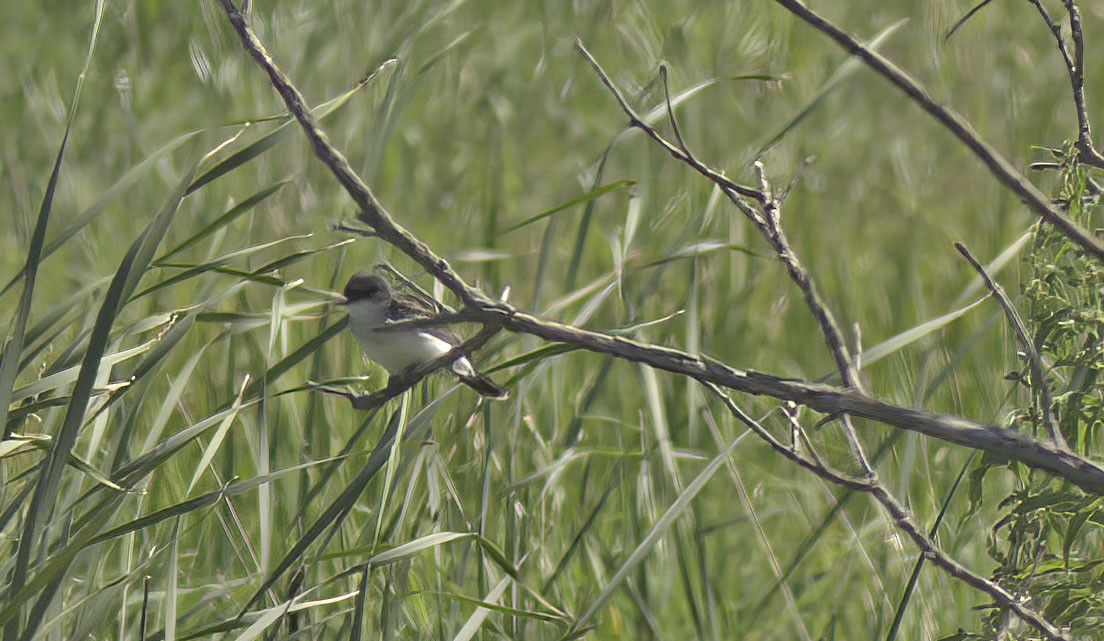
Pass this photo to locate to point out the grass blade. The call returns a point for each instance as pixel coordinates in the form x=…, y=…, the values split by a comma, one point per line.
x=658, y=529
x=581, y=198
x=126, y=278
x=845, y=71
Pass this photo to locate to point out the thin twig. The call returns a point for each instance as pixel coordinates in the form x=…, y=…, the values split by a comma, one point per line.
x=372, y=213
x=728, y=186
x=961, y=21
x=1089, y=154
x=767, y=220
x=907, y=524
x=671, y=113
x=829, y=328
x=812, y=464
x=1075, y=68
x=1056, y=31
x=902, y=519
x=1038, y=372
x=953, y=122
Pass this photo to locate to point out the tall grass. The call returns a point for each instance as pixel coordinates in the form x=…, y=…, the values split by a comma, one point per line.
x=171, y=471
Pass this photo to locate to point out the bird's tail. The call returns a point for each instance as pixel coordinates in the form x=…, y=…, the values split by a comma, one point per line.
x=483, y=385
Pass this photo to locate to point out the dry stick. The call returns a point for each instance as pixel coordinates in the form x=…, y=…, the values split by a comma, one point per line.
x=811, y=463
x=998, y=593
x=1007, y=174
x=825, y=399
x=373, y=213
x=1074, y=67
x=776, y=236
x=768, y=221
x=771, y=228
x=1038, y=373
x=729, y=187
x=1089, y=154
x=822, y=398
x=903, y=521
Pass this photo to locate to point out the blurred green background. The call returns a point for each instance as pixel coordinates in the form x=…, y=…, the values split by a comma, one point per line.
x=490, y=117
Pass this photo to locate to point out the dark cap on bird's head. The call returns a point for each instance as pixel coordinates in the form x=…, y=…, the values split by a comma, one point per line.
x=366, y=285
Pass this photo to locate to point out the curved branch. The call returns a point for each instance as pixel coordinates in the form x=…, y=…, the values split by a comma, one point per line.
x=953, y=122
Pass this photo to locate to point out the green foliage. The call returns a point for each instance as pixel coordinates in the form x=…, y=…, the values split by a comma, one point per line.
x=1047, y=545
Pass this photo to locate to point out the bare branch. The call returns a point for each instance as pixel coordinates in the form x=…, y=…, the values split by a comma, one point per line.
x=373, y=213
x=1038, y=373
x=812, y=463
x=907, y=524
x=951, y=120
x=829, y=328
x=1089, y=154
x=826, y=400
x=902, y=519
x=1075, y=68
x=730, y=188
x=767, y=220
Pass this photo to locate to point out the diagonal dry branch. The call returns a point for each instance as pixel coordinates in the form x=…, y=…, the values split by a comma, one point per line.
x=1034, y=361
x=902, y=518
x=372, y=213
x=822, y=398
x=953, y=122
x=760, y=207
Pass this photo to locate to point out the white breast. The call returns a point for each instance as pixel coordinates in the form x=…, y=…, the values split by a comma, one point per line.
x=395, y=350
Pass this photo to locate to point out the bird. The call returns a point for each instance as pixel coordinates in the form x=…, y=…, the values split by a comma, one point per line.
x=373, y=305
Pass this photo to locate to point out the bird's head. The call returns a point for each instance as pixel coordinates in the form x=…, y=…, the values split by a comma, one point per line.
x=366, y=287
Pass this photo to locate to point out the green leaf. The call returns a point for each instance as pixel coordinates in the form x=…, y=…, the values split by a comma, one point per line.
x=845, y=71
x=582, y=198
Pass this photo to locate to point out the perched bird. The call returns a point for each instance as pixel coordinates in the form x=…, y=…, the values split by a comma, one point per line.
x=373, y=305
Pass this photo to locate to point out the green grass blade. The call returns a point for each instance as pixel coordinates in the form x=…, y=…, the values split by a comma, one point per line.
x=172, y=578
x=581, y=198
x=13, y=347
x=224, y=220
x=658, y=529
x=132, y=176
x=392, y=466
x=217, y=439
x=845, y=71
x=896, y=343
x=475, y=621
x=191, y=271
x=270, y=139
x=126, y=278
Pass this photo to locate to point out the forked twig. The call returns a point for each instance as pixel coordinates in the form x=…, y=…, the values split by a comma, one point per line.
x=902, y=519
x=764, y=212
